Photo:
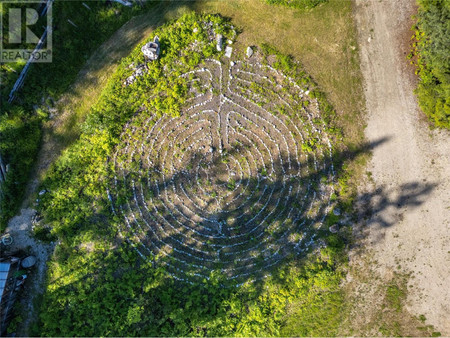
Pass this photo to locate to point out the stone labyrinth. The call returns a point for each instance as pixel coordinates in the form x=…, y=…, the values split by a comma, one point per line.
x=237, y=183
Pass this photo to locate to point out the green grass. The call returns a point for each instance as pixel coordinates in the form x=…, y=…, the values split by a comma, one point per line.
x=395, y=297
x=299, y=4
x=432, y=47
x=320, y=314
x=324, y=40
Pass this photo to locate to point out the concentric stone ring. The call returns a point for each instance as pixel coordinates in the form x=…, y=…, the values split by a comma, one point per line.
x=237, y=183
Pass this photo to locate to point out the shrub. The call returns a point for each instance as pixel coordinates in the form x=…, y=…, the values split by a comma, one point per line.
x=433, y=64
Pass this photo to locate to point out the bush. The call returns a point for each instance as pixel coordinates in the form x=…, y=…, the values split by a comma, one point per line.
x=433, y=64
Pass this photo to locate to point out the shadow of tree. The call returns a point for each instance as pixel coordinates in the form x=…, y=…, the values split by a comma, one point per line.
x=263, y=231
x=117, y=280
x=406, y=195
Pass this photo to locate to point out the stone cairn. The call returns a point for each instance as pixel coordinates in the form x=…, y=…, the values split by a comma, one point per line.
x=151, y=51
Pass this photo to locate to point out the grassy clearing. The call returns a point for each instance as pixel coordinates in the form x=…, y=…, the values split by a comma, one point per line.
x=301, y=4
x=322, y=39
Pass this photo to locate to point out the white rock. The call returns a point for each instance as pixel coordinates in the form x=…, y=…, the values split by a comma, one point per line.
x=228, y=51
x=151, y=49
x=334, y=228
x=249, y=51
x=219, y=39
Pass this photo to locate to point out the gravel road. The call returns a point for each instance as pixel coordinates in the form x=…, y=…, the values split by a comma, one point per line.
x=410, y=224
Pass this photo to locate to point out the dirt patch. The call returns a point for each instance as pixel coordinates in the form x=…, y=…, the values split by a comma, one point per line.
x=409, y=237
x=376, y=304
x=19, y=227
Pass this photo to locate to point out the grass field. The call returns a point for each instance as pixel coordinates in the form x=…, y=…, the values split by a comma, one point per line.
x=322, y=39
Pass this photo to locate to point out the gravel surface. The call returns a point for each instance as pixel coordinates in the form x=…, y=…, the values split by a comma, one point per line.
x=409, y=226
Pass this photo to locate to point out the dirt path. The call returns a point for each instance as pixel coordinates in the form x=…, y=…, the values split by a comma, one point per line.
x=413, y=237
x=19, y=227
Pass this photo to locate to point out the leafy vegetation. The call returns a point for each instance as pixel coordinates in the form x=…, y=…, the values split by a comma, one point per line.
x=395, y=296
x=393, y=318
x=111, y=292
x=20, y=122
x=98, y=285
x=19, y=142
x=432, y=47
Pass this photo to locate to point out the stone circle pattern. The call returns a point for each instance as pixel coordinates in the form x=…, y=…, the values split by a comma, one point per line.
x=231, y=185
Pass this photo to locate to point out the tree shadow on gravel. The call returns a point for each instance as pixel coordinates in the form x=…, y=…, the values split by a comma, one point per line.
x=408, y=195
